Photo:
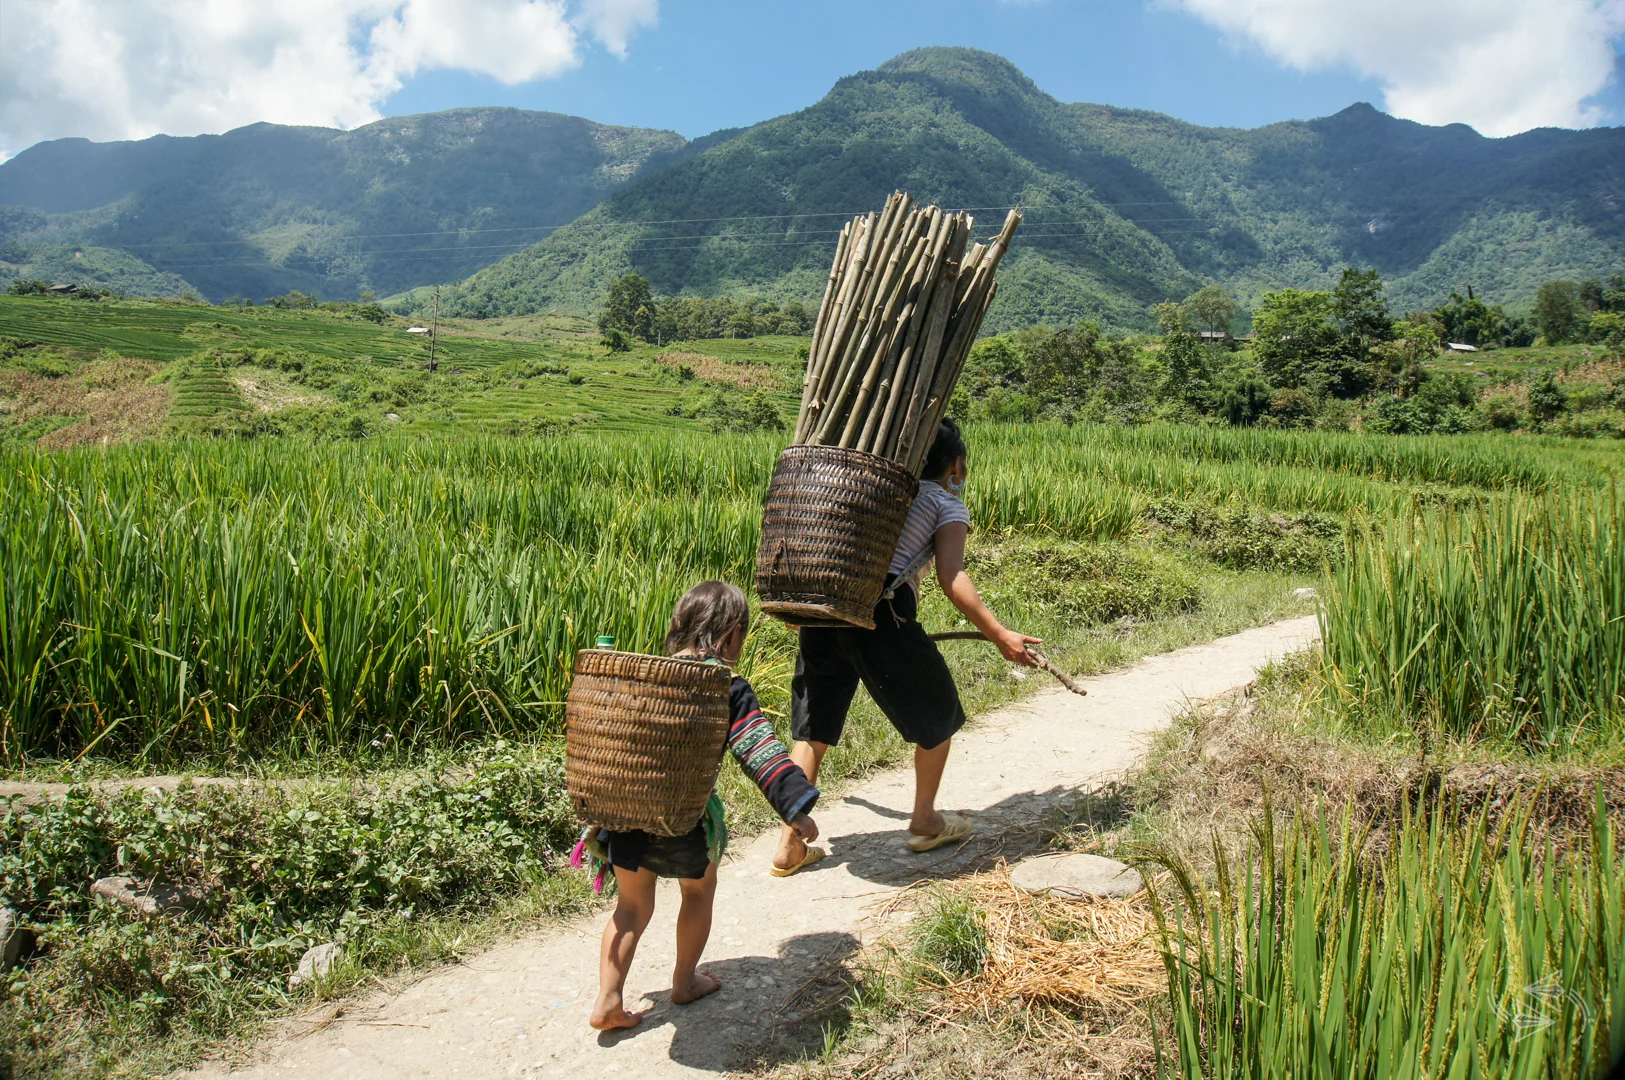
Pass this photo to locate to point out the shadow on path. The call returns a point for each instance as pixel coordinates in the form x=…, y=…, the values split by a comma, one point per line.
x=1010, y=829
x=770, y=1009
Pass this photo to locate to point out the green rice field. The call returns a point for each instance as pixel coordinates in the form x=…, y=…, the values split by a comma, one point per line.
x=166, y=597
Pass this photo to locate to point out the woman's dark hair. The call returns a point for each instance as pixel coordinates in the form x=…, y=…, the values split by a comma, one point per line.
x=948, y=448
x=704, y=616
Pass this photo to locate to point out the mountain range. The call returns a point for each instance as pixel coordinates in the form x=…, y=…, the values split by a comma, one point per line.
x=268, y=208
x=1123, y=208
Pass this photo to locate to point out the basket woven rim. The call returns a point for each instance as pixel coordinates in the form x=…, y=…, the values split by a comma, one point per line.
x=862, y=457
x=606, y=658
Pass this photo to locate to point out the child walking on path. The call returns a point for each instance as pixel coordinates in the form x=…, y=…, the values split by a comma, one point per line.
x=897, y=661
x=710, y=623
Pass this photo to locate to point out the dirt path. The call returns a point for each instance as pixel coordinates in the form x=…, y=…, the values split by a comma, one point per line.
x=521, y=1009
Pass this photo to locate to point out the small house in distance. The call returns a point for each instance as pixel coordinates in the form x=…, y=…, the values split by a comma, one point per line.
x=1222, y=337
x=60, y=289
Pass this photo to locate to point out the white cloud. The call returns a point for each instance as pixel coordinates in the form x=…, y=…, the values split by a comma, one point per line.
x=613, y=21
x=1503, y=66
x=127, y=69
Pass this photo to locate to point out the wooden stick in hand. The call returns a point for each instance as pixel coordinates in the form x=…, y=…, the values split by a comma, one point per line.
x=1038, y=658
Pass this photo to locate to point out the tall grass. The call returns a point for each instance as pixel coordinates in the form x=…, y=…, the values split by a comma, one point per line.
x=170, y=599
x=1508, y=621
x=1451, y=954
x=177, y=598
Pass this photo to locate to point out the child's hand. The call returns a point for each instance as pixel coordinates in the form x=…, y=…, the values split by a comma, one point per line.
x=805, y=827
x=1014, y=647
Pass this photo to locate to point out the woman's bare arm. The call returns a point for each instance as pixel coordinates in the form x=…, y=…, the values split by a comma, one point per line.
x=957, y=587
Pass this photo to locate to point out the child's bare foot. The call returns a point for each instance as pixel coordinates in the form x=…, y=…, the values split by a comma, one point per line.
x=608, y=1014
x=699, y=985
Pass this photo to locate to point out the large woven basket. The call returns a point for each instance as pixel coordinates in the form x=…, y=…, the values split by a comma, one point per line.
x=829, y=528
x=643, y=739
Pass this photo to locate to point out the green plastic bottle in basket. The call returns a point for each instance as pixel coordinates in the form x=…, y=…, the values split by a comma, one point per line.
x=606, y=641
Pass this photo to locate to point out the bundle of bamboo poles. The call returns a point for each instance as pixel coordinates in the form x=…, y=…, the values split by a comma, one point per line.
x=901, y=310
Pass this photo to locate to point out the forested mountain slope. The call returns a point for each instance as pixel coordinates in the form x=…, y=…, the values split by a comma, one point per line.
x=267, y=208
x=1125, y=208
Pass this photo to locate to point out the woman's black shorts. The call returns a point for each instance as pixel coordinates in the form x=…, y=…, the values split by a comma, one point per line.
x=685, y=856
x=896, y=662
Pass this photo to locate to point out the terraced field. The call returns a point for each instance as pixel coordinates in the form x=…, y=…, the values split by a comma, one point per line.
x=546, y=371
x=204, y=390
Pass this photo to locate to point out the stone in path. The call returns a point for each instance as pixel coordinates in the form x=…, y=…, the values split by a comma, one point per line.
x=777, y=944
x=144, y=898
x=1076, y=876
x=315, y=964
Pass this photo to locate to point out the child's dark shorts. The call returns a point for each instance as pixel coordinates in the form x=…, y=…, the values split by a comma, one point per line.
x=685, y=856
x=898, y=664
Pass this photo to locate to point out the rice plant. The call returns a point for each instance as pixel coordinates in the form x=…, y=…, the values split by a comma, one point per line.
x=1453, y=953
x=170, y=599
x=1506, y=622
x=163, y=600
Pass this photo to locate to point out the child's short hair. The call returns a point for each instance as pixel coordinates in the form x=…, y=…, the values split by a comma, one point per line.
x=704, y=616
x=948, y=447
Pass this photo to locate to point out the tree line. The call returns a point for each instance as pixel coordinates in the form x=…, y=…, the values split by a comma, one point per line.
x=1336, y=358
x=631, y=312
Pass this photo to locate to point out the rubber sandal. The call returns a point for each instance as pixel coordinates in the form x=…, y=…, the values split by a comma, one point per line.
x=954, y=827
x=813, y=855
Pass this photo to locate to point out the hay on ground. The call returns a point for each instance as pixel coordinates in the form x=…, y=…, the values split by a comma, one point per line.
x=745, y=375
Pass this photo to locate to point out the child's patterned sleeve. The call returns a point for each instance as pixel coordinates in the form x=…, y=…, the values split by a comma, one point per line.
x=756, y=746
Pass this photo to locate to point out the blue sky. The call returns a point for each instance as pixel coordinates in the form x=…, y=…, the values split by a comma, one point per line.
x=728, y=63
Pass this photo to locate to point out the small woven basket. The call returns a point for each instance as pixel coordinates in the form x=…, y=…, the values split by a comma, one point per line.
x=643, y=740
x=830, y=525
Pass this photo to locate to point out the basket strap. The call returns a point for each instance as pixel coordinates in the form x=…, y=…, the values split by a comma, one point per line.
x=909, y=569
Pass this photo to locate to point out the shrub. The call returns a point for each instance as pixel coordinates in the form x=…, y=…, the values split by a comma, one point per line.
x=730, y=411
x=1242, y=402
x=1081, y=583
x=1291, y=408
x=1441, y=405
x=1504, y=410
x=1547, y=398
x=1337, y=414
x=1235, y=537
x=1594, y=424
x=280, y=869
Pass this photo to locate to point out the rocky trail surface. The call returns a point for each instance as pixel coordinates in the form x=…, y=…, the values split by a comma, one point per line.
x=777, y=943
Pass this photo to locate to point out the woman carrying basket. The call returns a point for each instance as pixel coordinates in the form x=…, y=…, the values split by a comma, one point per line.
x=896, y=661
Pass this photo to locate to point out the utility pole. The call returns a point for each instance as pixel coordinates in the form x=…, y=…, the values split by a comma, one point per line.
x=434, y=328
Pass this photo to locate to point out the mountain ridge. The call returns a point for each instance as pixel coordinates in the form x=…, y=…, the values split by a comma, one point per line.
x=264, y=208
x=1127, y=207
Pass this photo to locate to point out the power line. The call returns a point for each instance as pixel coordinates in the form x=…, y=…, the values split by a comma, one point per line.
x=629, y=244
x=578, y=224
x=661, y=243
x=1032, y=208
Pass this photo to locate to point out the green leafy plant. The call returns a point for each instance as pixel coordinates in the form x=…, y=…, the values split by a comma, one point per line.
x=1454, y=952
